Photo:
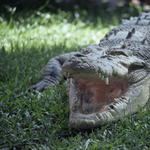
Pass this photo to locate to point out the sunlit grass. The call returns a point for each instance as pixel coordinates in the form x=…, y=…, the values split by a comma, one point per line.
x=41, y=120
x=55, y=31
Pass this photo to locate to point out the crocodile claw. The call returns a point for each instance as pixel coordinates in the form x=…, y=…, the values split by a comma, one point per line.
x=40, y=86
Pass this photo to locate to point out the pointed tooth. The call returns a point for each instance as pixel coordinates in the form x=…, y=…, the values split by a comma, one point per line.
x=105, y=117
x=99, y=75
x=97, y=118
x=102, y=77
x=120, y=98
x=97, y=72
x=113, y=112
x=73, y=81
x=116, y=99
x=68, y=75
x=100, y=116
x=107, y=80
x=123, y=97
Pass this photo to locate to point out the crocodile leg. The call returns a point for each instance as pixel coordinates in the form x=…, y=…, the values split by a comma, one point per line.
x=53, y=72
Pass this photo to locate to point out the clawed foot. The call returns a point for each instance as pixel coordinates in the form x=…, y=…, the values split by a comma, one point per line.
x=40, y=86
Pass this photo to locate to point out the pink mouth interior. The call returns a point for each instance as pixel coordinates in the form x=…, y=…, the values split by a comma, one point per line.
x=96, y=95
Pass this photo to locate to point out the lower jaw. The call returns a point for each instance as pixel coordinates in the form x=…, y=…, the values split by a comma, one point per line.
x=95, y=119
x=135, y=95
x=80, y=119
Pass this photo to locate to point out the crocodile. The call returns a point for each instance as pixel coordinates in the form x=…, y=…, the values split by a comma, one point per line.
x=105, y=81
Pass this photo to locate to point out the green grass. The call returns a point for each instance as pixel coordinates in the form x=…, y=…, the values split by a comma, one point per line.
x=41, y=120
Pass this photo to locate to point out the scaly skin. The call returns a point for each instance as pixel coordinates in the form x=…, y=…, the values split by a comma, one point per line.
x=106, y=81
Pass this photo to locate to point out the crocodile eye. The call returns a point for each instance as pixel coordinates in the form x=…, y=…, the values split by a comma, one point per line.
x=79, y=55
x=86, y=51
x=114, y=53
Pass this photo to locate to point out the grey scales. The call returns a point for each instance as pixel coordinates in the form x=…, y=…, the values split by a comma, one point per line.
x=106, y=81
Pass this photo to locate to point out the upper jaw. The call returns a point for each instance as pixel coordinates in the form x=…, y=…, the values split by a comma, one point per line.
x=100, y=67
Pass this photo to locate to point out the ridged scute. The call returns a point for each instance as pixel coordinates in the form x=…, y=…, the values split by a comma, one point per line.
x=142, y=20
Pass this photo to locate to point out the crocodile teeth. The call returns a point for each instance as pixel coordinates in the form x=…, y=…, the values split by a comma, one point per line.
x=99, y=75
x=68, y=75
x=102, y=77
x=107, y=80
x=116, y=99
x=73, y=81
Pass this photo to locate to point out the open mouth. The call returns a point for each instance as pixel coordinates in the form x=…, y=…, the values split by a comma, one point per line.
x=106, y=88
x=97, y=95
x=94, y=102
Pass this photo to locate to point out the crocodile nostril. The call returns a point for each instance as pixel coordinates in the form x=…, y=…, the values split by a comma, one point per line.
x=79, y=55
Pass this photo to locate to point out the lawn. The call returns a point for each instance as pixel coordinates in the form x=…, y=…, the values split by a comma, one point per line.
x=40, y=120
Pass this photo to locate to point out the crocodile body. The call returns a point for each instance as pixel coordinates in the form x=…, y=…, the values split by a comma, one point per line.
x=107, y=81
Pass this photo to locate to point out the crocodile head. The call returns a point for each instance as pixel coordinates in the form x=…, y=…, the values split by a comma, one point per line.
x=106, y=83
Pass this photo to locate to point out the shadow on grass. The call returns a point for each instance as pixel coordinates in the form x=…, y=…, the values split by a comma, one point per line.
x=96, y=15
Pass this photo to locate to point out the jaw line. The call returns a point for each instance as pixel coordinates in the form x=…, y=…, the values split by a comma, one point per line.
x=127, y=105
